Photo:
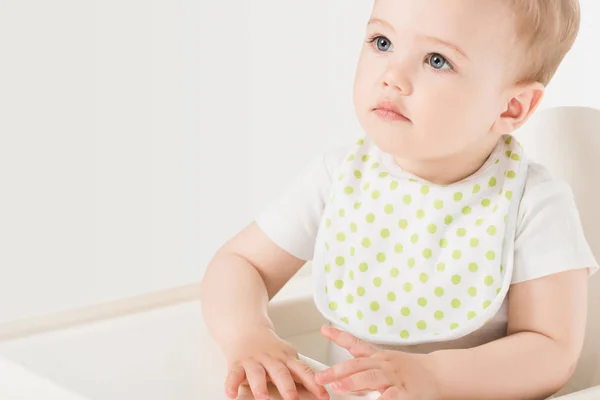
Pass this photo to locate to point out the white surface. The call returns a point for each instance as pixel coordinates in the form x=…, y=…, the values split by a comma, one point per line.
x=17, y=383
x=137, y=136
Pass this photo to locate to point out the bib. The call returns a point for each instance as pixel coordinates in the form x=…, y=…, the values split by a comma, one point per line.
x=399, y=260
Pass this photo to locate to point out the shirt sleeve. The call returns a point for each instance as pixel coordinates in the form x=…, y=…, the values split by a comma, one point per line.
x=550, y=236
x=292, y=220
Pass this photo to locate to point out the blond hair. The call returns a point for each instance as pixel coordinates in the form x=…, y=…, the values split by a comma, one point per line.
x=546, y=30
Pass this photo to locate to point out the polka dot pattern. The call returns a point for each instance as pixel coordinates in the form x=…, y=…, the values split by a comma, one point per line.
x=405, y=260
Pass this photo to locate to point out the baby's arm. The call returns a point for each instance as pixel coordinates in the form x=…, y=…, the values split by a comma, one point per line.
x=547, y=318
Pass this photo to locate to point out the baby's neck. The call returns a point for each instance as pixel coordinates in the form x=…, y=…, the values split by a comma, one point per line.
x=451, y=169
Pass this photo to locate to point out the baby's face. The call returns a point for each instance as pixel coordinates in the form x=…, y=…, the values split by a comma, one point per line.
x=444, y=66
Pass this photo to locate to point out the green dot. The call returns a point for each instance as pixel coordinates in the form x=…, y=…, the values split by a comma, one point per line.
x=366, y=186
x=410, y=262
x=408, y=287
x=345, y=320
x=456, y=279
x=414, y=239
x=492, y=182
x=441, y=267
x=357, y=205
x=439, y=315
x=488, y=280
x=339, y=284
x=476, y=189
x=328, y=223
x=498, y=290
x=350, y=157
x=403, y=224
x=424, y=189
x=420, y=214
x=461, y=232
x=443, y=243
x=495, y=208
x=360, y=291
x=491, y=230
x=405, y=311
x=432, y=229
x=501, y=268
x=511, y=174
x=466, y=210
x=508, y=153
x=439, y=291
x=389, y=321
x=359, y=315
x=453, y=326
x=370, y=218
x=381, y=174
x=438, y=204
x=381, y=257
x=486, y=304
x=394, y=185
x=341, y=237
x=391, y=296
x=471, y=315
x=422, y=325
x=486, y=202
x=427, y=253
x=455, y=303
x=398, y=248
x=363, y=267
x=423, y=277
x=422, y=301
x=404, y=334
x=473, y=267
x=360, y=142
x=375, y=166
x=515, y=157
x=340, y=261
x=353, y=227
x=327, y=245
x=407, y=199
x=474, y=242
x=388, y=209
x=351, y=274
x=375, y=195
x=333, y=306
x=458, y=196
x=490, y=255
x=456, y=254
x=508, y=194
x=385, y=233
x=348, y=190
x=373, y=329
x=366, y=158
x=358, y=174
x=394, y=272
x=349, y=299
x=342, y=213
x=374, y=306
x=377, y=281
x=366, y=243
x=479, y=222
x=326, y=289
x=472, y=291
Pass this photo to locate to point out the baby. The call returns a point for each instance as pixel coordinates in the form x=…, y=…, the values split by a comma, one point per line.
x=448, y=265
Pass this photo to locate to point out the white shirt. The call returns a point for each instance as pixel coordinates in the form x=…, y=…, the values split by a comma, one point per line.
x=549, y=236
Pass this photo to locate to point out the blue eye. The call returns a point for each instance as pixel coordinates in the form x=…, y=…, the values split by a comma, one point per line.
x=437, y=61
x=382, y=43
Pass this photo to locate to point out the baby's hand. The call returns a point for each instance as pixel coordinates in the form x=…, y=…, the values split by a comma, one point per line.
x=261, y=356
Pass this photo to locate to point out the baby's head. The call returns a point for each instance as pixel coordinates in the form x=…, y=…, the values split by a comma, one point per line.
x=462, y=72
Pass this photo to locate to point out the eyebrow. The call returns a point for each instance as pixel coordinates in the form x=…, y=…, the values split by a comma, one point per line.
x=432, y=39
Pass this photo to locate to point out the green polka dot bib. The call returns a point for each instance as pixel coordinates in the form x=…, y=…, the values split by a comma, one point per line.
x=399, y=260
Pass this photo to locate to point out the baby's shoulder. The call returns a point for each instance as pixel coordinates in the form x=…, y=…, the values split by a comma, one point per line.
x=543, y=190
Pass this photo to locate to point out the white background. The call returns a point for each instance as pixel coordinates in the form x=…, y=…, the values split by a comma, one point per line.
x=137, y=136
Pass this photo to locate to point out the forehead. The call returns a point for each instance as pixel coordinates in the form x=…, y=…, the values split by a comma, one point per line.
x=478, y=27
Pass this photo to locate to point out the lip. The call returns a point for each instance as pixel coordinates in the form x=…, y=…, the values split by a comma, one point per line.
x=387, y=110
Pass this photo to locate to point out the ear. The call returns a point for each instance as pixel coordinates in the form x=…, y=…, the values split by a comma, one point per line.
x=523, y=101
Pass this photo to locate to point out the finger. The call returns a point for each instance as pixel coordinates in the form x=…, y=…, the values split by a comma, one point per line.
x=235, y=378
x=306, y=376
x=257, y=379
x=356, y=347
x=372, y=379
x=347, y=368
x=394, y=393
x=282, y=378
